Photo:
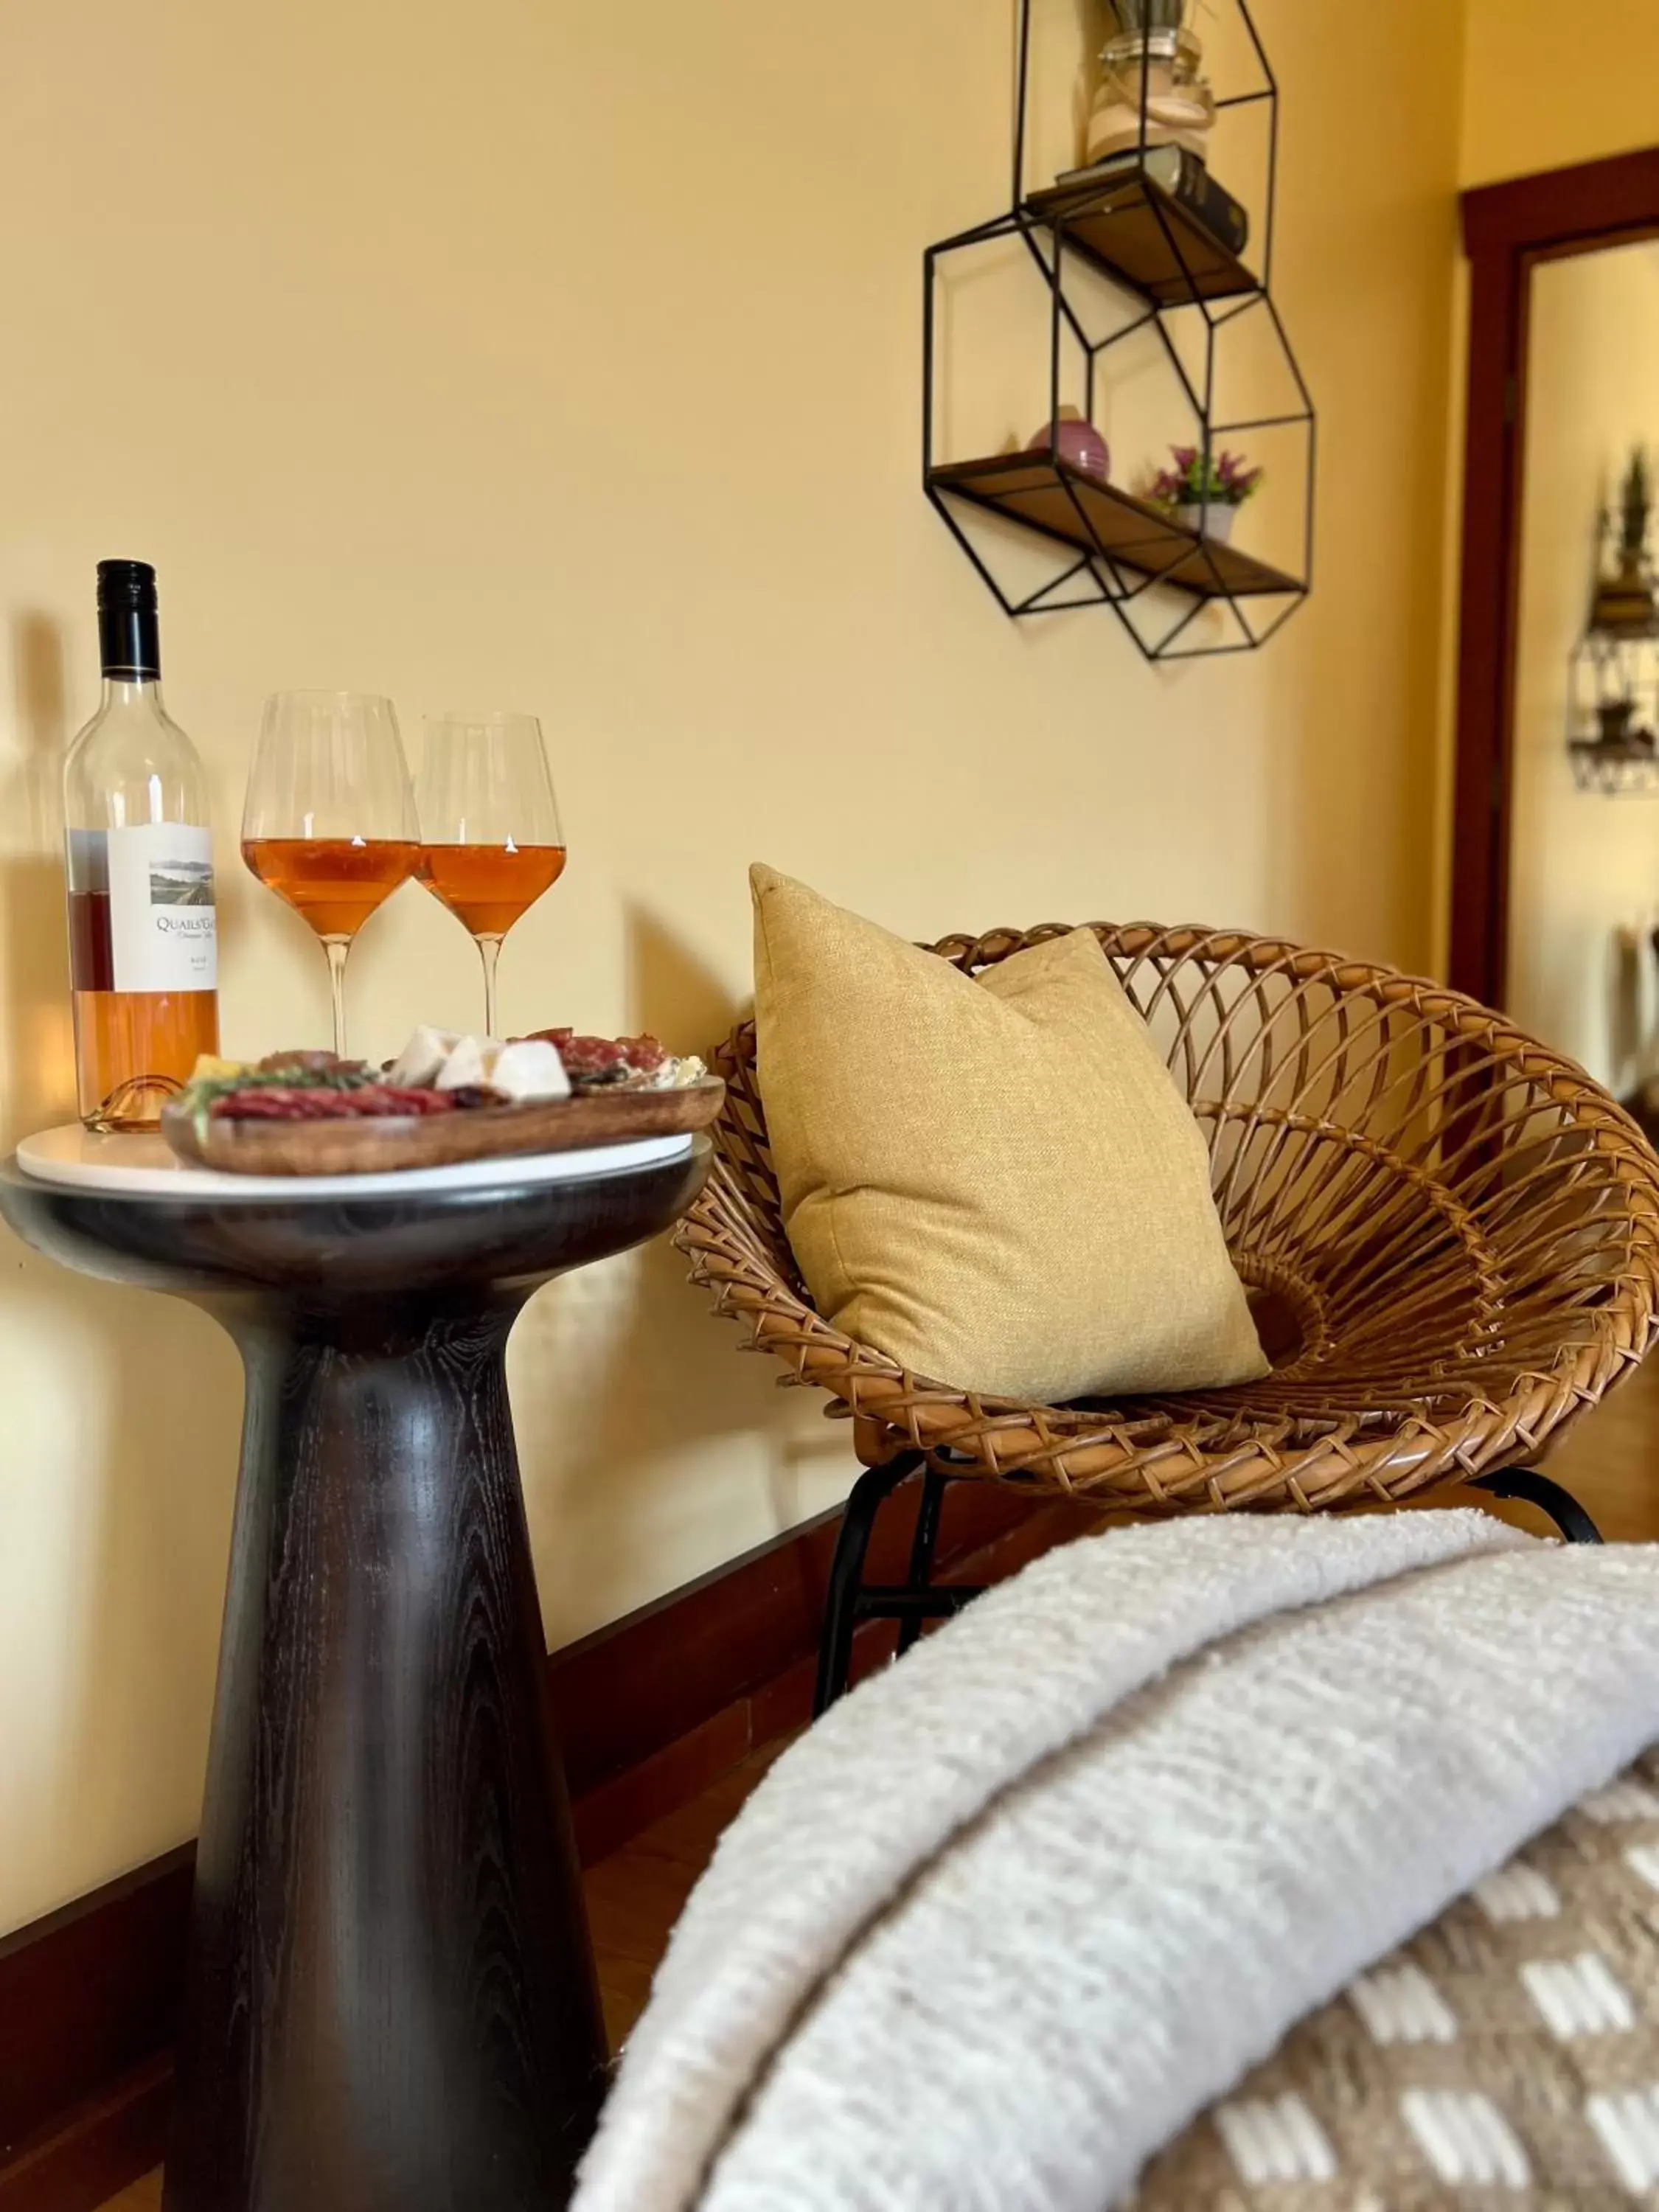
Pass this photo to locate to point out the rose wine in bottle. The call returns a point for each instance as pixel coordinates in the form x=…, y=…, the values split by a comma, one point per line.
x=143, y=963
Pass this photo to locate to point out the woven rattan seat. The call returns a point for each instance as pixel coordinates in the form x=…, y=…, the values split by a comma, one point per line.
x=1452, y=1235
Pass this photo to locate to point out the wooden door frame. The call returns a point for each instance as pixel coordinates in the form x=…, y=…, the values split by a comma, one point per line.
x=1507, y=229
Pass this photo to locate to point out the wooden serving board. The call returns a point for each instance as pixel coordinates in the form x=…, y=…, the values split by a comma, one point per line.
x=376, y=1144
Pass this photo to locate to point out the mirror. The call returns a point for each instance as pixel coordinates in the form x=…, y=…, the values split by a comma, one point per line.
x=1584, y=813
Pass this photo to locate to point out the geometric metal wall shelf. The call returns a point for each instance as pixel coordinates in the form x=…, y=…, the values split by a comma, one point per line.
x=1613, y=713
x=1613, y=675
x=1148, y=314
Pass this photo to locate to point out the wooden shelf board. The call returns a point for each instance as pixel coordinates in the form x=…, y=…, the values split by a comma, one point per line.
x=1597, y=766
x=1032, y=489
x=1116, y=225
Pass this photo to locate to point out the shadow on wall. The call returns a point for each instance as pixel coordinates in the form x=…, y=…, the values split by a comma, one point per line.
x=39, y=1052
x=671, y=993
x=623, y=1370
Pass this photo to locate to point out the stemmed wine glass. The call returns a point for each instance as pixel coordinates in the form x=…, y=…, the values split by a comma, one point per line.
x=492, y=840
x=330, y=820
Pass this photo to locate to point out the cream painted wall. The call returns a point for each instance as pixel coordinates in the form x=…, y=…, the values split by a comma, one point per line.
x=1544, y=87
x=1585, y=882
x=568, y=356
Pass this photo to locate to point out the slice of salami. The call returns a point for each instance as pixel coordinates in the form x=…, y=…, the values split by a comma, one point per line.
x=590, y=1060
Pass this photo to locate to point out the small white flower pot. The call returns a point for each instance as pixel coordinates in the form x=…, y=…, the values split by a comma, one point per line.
x=1214, y=522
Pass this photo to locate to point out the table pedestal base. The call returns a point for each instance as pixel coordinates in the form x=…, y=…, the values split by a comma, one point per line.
x=391, y=2003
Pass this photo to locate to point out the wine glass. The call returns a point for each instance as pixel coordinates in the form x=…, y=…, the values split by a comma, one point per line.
x=492, y=840
x=330, y=820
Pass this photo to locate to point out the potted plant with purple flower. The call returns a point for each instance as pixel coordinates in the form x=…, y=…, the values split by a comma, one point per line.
x=1204, y=491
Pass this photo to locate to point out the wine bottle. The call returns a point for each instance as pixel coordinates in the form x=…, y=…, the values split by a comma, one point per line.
x=144, y=964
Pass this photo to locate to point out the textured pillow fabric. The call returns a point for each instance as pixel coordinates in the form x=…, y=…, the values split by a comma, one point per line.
x=994, y=1181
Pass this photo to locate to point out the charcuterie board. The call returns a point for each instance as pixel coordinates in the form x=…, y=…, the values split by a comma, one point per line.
x=382, y=1144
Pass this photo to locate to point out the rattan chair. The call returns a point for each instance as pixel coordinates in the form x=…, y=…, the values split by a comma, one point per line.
x=1451, y=1234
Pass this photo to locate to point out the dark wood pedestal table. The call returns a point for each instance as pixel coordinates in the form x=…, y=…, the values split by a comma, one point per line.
x=391, y=2000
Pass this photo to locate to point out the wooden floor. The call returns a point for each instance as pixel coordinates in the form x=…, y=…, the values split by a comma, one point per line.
x=1610, y=1463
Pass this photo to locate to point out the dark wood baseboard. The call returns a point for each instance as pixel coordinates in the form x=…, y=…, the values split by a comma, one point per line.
x=88, y=2001
x=99, y=2146
x=652, y=1710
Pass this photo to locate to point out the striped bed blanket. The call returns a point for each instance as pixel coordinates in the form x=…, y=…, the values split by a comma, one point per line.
x=1311, y=1865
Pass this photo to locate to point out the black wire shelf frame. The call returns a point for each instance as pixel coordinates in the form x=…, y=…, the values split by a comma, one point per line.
x=1612, y=710
x=1120, y=551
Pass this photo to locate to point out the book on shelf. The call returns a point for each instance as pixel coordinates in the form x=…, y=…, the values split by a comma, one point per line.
x=1175, y=171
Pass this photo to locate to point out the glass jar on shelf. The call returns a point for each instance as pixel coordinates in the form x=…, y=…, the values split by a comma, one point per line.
x=1152, y=89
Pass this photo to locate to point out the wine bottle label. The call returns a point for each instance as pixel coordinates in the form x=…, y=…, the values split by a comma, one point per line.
x=141, y=902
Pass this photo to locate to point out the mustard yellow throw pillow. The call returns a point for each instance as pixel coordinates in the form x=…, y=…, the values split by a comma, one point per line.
x=994, y=1181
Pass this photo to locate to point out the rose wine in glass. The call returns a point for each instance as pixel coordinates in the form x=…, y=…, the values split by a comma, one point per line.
x=330, y=820
x=492, y=843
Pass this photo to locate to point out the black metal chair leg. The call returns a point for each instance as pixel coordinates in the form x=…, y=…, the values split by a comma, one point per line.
x=1535, y=1489
x=922, y=1548
x=840, y=1612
